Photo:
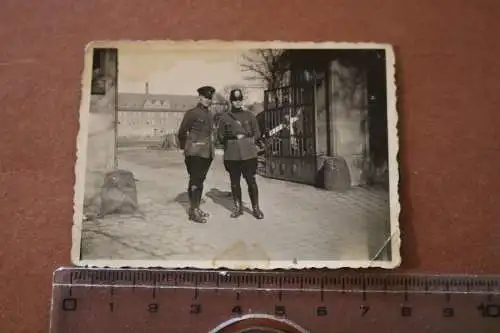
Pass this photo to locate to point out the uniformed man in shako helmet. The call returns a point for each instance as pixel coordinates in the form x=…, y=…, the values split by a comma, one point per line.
x=196, y=137
x=240, y=133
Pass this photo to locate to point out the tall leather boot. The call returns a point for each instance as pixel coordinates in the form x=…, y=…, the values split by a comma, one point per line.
x=253, y=192
x=195, y=214
x=202, y=212
x=237, y=201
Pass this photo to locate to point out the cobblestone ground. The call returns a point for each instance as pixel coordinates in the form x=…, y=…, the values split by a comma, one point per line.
x=301, y=222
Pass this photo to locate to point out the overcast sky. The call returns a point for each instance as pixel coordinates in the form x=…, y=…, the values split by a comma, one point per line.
x=181, y=71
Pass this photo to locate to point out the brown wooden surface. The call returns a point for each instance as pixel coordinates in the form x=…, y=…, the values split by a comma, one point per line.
x=448, y=72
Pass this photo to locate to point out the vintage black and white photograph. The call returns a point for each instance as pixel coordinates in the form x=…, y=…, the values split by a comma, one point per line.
x=263, y=155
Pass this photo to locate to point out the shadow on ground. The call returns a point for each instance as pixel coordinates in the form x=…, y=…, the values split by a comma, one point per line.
x=223, y=199
x=183, y=200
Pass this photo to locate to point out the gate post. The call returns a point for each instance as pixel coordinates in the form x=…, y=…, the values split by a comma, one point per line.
x=102, y=121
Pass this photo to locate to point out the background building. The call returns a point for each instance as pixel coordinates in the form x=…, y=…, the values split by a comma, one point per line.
x=144, y=118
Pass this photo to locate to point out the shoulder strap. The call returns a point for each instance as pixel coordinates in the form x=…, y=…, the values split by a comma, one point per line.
x=237, y=122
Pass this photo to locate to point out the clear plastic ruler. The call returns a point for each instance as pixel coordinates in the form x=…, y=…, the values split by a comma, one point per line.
x=153, y=300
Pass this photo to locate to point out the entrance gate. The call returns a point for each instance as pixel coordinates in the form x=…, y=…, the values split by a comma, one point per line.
x=290, y=129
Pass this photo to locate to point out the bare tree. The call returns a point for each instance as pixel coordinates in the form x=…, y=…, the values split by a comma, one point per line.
x=266, y=65
x=219, y=97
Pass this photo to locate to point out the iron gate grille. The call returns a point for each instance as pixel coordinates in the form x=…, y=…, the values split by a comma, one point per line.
x=290, y=130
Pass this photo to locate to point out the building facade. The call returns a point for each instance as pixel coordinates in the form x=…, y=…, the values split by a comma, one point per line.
x=145, y=118
x=332, y=107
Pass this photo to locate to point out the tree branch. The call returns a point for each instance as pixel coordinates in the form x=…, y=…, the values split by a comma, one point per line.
x=267, y=65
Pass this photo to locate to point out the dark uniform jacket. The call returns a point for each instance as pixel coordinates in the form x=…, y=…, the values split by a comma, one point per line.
x=196, y=133
x=237, y=122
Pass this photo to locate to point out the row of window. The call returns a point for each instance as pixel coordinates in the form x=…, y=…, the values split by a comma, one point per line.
x=154, y=102
x=144, y=122
x=149, y=115
x=156, y=114
x=158, y=104
x=146, y=131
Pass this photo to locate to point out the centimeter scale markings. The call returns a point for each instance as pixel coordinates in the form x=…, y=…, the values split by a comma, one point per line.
x=150, y=300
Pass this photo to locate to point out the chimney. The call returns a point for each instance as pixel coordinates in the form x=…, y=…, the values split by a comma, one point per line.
x=147, y=88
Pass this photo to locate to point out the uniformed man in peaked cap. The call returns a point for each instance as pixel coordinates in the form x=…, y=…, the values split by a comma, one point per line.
x=239, y=131
x=196, y=137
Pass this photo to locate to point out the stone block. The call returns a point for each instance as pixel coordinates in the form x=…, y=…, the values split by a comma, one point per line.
x=334, y=173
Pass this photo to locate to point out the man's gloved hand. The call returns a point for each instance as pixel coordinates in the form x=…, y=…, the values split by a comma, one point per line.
x=239, y=136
